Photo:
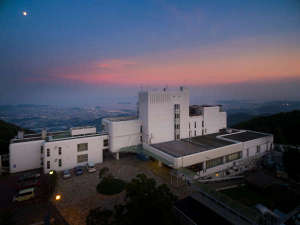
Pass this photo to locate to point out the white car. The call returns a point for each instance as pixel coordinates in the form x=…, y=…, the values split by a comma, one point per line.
x=91, y=167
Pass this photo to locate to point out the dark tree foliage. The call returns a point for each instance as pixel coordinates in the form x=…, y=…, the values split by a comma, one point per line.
x=7, y=218
x=145, y=203
x=110, y=185
x=7, y=132
x=284, y=126
x=291, y=159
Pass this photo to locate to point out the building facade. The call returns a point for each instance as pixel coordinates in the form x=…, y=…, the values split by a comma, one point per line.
x=57, y=151
x=166, y=126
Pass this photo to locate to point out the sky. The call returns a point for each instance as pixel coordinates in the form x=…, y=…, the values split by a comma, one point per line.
x=91, y=52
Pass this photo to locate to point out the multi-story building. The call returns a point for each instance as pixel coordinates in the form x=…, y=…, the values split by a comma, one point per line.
x=58, y=150
x=168, y=129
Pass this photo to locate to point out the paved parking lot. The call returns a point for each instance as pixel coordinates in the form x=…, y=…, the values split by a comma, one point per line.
x=79, y=193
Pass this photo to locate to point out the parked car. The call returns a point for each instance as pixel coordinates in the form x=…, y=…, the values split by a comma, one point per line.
x=24, y=194
x=78, y=170
x=67, y=174
x=91, y=167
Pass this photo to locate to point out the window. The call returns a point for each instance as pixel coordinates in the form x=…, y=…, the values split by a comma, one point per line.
x=176, y=106
x=59, y=162
x=42, y=149
x=48, y=164
x=82, y=147
x=202, y=132
x=196, y=167
x=177, y=116
x=189, y=125
x=48, y=152
x=195, y=133
x=82, y=158
x=258, y=149
x=105, y=142
x=59, y=150
x=177, y=137
x=141, y=129
x=195, y=124
x=177, y=126
x=202, y=123
x=141, y=138
x=233, y=156
x=214, y=162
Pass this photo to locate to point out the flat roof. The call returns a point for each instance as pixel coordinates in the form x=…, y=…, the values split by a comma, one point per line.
x=199, y=213
x=184, y=147
x=123, y=118
x=246, y=136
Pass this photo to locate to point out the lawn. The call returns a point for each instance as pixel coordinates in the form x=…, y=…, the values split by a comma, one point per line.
x=272, y=198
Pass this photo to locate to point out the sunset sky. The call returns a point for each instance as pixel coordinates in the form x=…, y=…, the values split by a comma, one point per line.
x=92, y=51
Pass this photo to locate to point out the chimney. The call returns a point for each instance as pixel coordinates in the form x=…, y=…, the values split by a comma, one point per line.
x=44, y=134
x=20, y=134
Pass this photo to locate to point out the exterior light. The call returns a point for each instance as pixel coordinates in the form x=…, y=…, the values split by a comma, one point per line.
x=51, y=172
x=24, y=13
x=57, y=197
x=217, y=174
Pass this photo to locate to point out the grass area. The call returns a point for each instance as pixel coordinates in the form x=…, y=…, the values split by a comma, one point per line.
x=275, y=197
x=231, y=202
x=110, y=186
x=249, y=197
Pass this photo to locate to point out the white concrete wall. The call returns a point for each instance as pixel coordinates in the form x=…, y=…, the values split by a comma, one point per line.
x=198, y=120
x=25, y=156
x=123, y=133
x=69, y=152
x=214, y=119
x=156, y=111
x=82, y=130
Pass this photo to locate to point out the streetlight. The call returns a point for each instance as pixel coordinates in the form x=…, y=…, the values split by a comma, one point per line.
x=51, y=172
x=57, y=197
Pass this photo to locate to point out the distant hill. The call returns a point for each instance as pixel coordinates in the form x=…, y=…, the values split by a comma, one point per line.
x=284, y=126
x=236, y=118
x=7, y=132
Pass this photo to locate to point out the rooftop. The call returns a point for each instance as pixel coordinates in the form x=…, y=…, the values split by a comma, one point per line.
x=55, y=136
x=245, y=136
x=199, y=213
x=193, y=145
x=123, y=118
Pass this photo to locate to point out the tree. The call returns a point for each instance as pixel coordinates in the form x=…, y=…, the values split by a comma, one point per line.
x=102, y=172
x=145, y=203
x=291, y=159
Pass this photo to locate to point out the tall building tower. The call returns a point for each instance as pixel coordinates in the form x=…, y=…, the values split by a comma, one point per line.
x=164, y=115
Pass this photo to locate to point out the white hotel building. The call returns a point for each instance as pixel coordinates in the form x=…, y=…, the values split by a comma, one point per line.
x=168, y=129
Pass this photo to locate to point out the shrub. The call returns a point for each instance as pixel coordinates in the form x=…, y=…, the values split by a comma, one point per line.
x=110, y=186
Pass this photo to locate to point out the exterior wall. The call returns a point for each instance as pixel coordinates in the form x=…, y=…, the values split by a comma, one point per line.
x=214, y=119
x=82, y=130
x=25, y=156
x=198, y=120
x=156, y=111
x=123, y=133
x=250, y=147
x=70, y=153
